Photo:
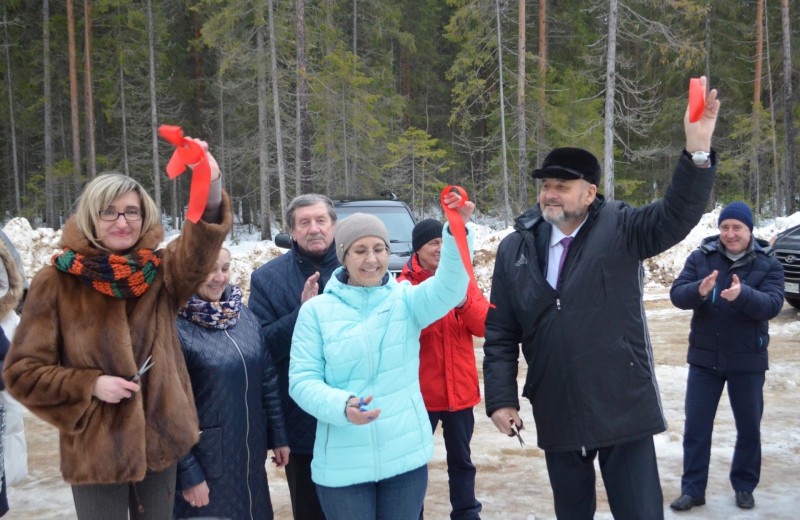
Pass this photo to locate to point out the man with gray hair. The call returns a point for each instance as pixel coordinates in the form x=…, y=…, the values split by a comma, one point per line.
x=277, y=290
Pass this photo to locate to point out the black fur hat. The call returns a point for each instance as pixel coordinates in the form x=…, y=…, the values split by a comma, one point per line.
x=569, y=163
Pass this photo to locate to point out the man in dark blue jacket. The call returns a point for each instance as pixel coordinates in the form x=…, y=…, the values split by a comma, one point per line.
x=567, y=286
x=277, y=290
x=734, y=285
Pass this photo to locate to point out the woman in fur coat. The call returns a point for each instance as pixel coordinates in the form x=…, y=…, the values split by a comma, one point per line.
x=105, y=308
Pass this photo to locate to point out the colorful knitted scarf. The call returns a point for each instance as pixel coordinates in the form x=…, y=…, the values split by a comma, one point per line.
x=215, y=315
x=120, y=276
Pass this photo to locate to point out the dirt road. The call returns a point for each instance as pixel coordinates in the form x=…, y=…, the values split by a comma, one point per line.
x=512, y=481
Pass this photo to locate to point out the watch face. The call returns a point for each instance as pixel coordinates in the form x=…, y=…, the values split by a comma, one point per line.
x=700, y=157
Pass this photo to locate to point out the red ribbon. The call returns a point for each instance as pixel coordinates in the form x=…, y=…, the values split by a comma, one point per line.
x=457, y=227
x=189, y=152
x=697, y=100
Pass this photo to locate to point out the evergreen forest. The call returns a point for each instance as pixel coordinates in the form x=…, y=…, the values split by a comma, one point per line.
x=361, y=97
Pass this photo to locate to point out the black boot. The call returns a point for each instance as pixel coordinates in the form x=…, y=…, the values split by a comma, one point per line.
x=686, y=502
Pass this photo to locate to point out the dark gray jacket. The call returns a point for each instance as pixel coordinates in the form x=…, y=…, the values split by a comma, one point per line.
x=236, y=393
x=591, y=376
x=275, y=290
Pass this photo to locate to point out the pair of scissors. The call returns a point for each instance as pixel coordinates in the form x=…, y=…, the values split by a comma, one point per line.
x=147, y=365
x=515, y=432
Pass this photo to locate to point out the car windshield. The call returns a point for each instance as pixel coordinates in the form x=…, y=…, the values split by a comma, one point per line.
x=397, y=220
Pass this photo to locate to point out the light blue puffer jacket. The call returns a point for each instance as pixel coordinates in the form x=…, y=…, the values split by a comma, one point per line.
x=361, y=341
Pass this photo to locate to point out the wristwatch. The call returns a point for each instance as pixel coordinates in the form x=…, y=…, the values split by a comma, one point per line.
x=700, y=157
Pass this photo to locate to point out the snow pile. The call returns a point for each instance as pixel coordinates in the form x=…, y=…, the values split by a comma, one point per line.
x=36, y=247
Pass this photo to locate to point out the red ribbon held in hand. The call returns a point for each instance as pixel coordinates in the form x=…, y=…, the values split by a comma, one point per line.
x=457, y=227
x=697, y=100
x=189, y=152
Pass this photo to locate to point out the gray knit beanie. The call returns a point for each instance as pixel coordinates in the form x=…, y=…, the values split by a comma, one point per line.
x=355, y=227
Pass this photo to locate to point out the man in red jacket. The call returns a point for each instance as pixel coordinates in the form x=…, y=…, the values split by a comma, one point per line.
x=447, y=372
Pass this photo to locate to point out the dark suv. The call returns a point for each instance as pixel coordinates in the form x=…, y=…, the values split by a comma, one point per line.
x=394, y=213
x=787, y=251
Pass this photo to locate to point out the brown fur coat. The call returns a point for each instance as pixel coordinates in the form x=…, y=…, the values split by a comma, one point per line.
x=70, y=334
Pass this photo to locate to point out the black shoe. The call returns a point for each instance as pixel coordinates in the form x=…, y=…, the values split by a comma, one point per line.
x=745, y=500
x=686, y=502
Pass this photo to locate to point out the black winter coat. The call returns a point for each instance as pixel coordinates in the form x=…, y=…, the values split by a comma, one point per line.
x=236, y=394
x=730, y=335
x=591, y=377
x=275, y=290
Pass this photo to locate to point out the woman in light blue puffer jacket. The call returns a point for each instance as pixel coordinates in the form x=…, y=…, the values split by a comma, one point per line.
x=355, y=367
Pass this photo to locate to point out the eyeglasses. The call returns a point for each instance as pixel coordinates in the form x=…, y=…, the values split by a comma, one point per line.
x=109, y=215
x=363, y=254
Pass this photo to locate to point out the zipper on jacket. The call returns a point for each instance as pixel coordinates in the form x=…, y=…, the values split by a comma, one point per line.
x=558, y=303
x=371, y=356
x=246, y=421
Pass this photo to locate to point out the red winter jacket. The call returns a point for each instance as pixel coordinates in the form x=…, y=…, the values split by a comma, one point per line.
x=448, y=375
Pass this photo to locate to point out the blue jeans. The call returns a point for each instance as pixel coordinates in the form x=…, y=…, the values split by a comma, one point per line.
x=395, y=498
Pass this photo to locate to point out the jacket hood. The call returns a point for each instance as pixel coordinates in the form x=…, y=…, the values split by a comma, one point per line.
x=11, y=282
x=73, y=238
x=414, y=271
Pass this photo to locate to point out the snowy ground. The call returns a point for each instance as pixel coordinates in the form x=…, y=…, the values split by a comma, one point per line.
x=512, y=481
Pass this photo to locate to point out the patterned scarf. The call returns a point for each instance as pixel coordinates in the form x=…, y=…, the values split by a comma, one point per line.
x=120, y=276
x=215, y=315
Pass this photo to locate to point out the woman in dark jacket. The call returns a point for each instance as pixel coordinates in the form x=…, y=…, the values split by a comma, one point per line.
x=236, y=394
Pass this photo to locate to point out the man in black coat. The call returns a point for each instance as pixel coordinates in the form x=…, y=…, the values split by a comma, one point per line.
x=734, y=285
x=277, y=290
x=567, y=286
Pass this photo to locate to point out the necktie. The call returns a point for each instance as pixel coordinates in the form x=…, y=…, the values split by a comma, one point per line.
x=565, y=242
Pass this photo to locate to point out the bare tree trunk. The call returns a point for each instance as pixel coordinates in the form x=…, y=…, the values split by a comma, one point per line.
x=345, y=143
x=540, y=137
x=355, y=27
x=754, y=180
x=263, y=150
x=126, y=168
x=11, y=120
x=153, y=107
x=49, y=181
x=276, y=104
x=222, y=156
x=611, y=78
x=790, y=204
x=707, y=38
x=73, y=92
x=522, y=135
x=506, y=202
x=329, y=180
x=91, y=160
x=303, y=181
x=777, y=188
